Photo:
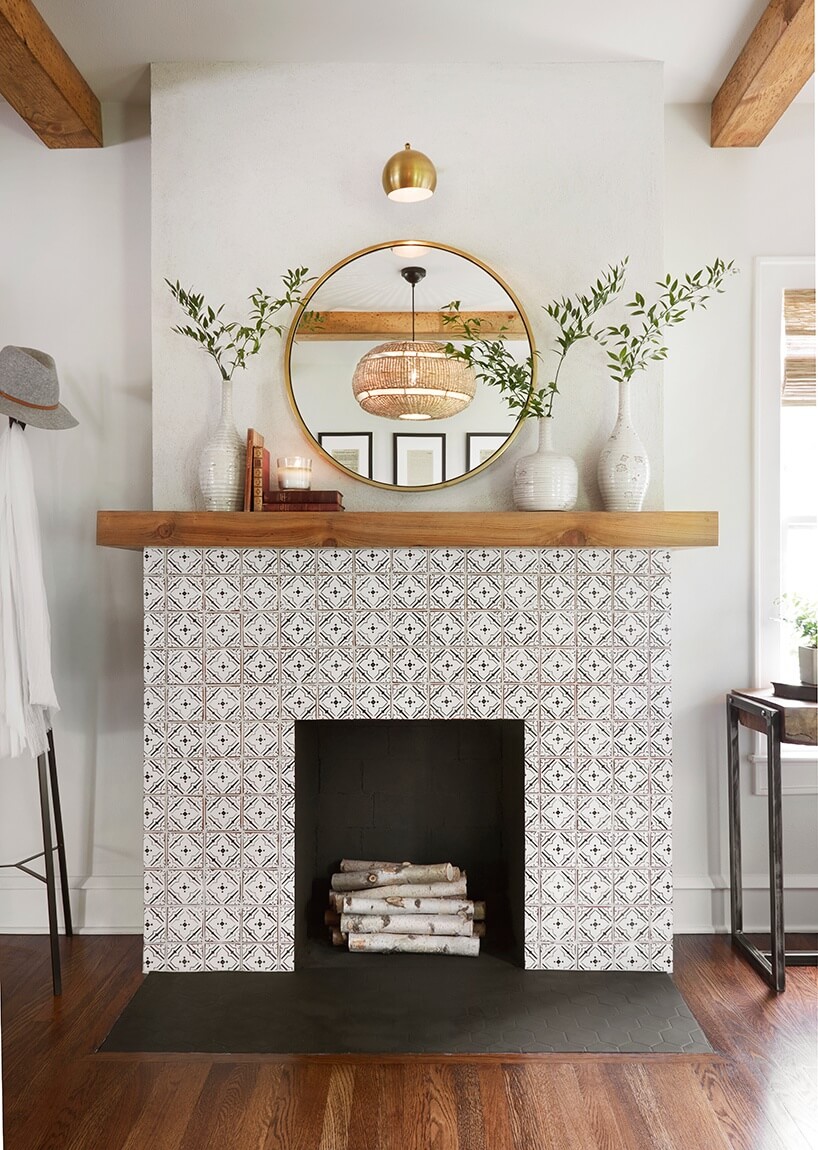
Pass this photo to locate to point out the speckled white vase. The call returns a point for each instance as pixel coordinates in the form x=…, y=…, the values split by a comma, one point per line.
x=623, y=471
x=546, y=480
x=222, y=463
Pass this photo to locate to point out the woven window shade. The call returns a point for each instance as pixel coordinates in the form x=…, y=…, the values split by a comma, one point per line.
x=798, y=383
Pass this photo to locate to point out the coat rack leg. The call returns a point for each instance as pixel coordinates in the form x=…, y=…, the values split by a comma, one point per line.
x=55, y=799
x=48, y=851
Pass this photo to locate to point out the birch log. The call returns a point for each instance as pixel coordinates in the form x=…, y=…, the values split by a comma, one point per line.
x=456, y=889
x=479, y=911
x=338, y=939
x=441, y=924
x=361, y=864
x=399, y=875
x=408, y=873
x=331, y=918
x=396, y=904
x=479, y=929
x=414, y=944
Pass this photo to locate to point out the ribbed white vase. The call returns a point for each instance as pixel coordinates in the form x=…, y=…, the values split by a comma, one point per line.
x=222, y=463
x=624, y=469
x=546, y=480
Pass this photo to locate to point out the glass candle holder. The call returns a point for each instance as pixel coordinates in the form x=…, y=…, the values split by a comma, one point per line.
x=294, y=472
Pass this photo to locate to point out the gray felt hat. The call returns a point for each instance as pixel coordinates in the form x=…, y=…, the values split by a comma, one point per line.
x=30, y=390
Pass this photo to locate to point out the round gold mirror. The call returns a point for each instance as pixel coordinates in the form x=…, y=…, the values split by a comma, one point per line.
x=369, y=376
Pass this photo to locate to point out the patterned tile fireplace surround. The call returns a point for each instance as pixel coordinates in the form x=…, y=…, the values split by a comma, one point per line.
x=241, y=643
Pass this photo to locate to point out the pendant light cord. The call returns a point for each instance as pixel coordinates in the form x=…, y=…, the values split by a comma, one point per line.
x=413, y=313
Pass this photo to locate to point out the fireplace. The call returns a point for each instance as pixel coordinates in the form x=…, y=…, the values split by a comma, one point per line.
x=410, y=790
x=244, y=644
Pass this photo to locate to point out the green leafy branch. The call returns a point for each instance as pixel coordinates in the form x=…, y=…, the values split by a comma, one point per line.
x=232, y=344
x=490, y=359
x=494, y=364
x=573, y=316
x=802, y=615
x=636, y=347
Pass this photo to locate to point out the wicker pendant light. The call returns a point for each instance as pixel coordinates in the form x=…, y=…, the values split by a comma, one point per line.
x=412, y=379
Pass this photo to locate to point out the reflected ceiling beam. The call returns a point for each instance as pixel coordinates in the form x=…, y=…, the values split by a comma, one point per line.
x=388, y=325
x=773, y=67
x=42, y=84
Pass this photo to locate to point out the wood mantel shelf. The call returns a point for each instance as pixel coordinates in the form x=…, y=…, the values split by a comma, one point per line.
x=137, y=529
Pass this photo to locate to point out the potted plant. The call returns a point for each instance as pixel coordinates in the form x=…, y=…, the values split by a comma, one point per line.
x=623, y=471
x=222, y=463
x=802, y=615
x=544, y=480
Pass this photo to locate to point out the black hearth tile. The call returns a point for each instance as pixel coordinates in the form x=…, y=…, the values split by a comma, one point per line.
x=406, y=1004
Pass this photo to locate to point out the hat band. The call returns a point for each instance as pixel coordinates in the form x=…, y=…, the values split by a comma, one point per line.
x=25, y=403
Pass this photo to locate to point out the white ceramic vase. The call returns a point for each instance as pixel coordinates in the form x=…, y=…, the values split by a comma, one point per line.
x=623, y=471
x=222, y=463
x=546, y=480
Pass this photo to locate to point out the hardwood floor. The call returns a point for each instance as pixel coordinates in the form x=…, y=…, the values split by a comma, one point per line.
x=757, y=1093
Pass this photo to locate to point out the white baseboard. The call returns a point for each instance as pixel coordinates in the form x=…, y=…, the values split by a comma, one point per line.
x=701, y=903
x=112, y=904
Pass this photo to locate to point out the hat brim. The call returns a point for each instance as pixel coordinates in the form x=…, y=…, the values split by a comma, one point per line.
x=59, y=419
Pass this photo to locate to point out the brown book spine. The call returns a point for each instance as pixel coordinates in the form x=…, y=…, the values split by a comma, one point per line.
x=261, y=476
x=254, y=439
x=300, y=495
x=290, y=507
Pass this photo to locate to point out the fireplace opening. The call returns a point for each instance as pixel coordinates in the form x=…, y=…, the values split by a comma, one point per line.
x=410, y=790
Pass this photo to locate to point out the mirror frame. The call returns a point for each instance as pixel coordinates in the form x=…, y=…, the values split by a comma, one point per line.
x=304, y=306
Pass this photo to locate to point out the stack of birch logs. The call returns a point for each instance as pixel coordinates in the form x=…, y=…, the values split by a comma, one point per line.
x=403, y=908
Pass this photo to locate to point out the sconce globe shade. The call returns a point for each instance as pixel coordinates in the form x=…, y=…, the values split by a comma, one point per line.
x=412, y=380
x=409, y=176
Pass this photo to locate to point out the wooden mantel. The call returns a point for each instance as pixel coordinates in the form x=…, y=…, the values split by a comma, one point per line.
x=137, y=529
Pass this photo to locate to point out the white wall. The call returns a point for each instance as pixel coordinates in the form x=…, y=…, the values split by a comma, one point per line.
x=736, y=203
x=74, y=281
x=76, y=224
x=547, y=173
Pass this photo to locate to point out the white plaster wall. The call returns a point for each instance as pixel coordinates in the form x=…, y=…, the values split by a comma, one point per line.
x=74, y=281
x=548, y=173
x=737, y=203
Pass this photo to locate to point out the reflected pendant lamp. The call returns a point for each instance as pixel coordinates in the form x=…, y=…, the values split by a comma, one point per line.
x=412, y=379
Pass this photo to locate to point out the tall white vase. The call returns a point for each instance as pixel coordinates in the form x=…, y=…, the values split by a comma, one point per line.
x=546, y=480
x=623, y=471
x=222, y=463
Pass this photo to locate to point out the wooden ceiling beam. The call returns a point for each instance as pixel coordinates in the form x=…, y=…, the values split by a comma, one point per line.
x=389, y=325
x=772, y=68
x=42, y=84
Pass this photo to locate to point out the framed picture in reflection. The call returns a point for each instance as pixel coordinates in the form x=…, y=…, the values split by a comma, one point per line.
x=419, y=459
x=481, y=445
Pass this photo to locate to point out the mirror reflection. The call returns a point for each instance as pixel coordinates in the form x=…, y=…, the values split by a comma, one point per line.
x=369, y=377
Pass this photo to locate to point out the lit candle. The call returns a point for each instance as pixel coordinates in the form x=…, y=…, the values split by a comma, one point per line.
x=294, y=471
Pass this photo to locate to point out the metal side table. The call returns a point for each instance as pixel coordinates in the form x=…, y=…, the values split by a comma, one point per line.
x=782, y=721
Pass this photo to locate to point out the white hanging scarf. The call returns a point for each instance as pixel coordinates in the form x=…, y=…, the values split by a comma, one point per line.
x=26, y=686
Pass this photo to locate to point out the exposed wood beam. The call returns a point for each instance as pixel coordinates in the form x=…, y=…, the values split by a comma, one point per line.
x=42, y=84
x=388, y=325
x=773, y=67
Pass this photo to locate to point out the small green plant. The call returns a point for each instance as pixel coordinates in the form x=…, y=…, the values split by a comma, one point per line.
x=802, y=615
x=493, y=362
x=636, y=347
x=232, y=344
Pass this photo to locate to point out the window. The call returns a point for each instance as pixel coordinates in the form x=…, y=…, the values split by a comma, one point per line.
x=786, y=475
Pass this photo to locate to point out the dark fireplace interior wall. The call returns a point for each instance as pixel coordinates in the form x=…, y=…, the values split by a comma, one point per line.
x=424, y=790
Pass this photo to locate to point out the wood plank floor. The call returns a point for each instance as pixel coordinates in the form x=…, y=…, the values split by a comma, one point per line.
x=757, y=1093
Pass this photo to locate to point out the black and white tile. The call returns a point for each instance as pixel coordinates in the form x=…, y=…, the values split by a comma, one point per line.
x=241, y=643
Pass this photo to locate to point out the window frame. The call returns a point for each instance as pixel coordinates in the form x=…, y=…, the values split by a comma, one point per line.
x=773, y=274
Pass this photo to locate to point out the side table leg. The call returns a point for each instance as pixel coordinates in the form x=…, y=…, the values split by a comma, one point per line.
x=734, y=808
x=776, y=842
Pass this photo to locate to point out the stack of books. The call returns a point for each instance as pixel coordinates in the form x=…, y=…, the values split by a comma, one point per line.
x=299, y=500
x=260, y=496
